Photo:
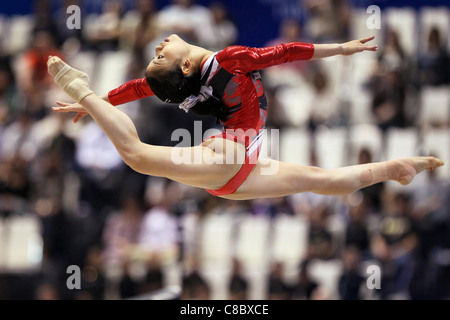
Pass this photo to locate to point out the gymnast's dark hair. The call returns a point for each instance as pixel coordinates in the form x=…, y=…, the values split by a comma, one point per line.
x=172, y=86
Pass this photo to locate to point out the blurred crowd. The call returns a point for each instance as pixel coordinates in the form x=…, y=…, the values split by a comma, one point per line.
x=132, y=234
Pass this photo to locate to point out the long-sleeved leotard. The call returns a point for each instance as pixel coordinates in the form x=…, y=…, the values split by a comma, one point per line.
x=130, y=91
x=232, y=73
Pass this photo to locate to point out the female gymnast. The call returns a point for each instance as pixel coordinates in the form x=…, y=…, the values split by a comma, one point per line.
x=226, y=85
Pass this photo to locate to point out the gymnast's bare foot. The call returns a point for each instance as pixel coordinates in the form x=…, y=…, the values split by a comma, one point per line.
x=404, y=170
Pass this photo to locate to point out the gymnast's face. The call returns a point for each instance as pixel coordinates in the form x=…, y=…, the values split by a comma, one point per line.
x=171, y=51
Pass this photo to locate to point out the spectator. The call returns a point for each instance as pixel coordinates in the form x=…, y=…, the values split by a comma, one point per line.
x=191, y=220
x=14, y=178
x=276, y=115
x=392, y=57
x=388, y=101
x=58, y=138
x=121, y=230
x=139, y=28
x=44, y=21
x=324, y=106
x=396, y=225
x=47, y=195
x=237, y=285
x=8, y=92
x=327, y=20
x=429, y=219
x=397, y=271
x=277, y=289
x=393, y=247
x=32, y=76
x=351, y=280
x=92, y=276
x=191, y=21
x=128, y=286
x=271, y=207
x=373, y=195
x=107, y=28
x=440, y=252
x=16, y=139
x=305, y=286
x=356, y=233
x=159, y=235
x=154, y=278
x=320, y=240
x=388, y=84
x=434, y=63
x=194, y=285
x=100, y=168
x=224, y=29
x=140, y=276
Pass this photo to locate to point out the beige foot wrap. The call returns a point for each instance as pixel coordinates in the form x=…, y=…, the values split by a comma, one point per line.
x=384, y=171
x=73, y=82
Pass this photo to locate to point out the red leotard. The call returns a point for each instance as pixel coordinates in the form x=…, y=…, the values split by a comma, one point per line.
x=234, y=79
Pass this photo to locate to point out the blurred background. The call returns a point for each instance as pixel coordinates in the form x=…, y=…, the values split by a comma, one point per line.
x=66, y=197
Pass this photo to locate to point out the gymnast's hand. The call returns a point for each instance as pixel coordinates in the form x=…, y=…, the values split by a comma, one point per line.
x=354, y=46
x=71, y=107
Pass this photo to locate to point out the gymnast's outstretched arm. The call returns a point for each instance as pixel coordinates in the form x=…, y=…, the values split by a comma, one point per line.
x=346, y=48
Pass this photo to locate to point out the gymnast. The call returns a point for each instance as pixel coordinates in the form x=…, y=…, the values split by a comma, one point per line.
x=226, y=85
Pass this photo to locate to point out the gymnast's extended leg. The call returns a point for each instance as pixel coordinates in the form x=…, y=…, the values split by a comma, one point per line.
x=293, y=178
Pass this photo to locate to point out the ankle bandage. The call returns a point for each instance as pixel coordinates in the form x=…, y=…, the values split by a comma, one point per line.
x=73, y=82
x=374, y=173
